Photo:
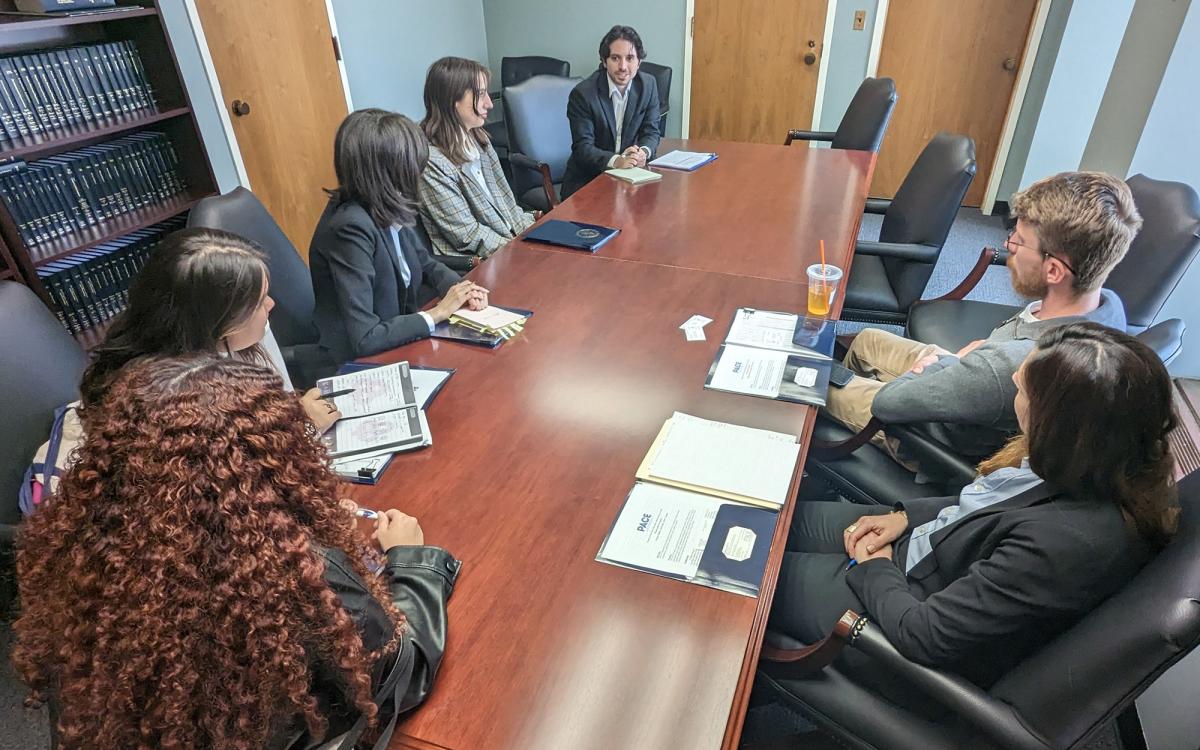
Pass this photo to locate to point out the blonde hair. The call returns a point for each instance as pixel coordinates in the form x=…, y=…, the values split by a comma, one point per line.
x=1087, y=218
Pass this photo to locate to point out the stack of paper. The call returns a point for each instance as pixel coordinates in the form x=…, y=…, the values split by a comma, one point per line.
x=381, y=415
x=775, y=355
x=635, y=175
x=683, y=160
x=490, y=320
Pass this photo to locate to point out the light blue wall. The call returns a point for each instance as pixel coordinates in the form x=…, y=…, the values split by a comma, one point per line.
x=846, y=59
x=572, y=29
x=187, y=52
x=388, y=45
x=1076, y=87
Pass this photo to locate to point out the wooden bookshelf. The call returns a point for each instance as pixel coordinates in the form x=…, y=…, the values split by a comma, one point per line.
x=172, y=116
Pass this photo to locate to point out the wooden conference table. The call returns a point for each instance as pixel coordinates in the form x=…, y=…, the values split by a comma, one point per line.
x=536, y=444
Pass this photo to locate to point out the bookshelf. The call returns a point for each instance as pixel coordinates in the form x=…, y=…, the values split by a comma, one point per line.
x=173, y=174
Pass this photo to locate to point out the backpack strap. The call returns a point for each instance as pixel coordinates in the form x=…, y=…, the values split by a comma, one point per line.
x=391, y=691
x=48, y=468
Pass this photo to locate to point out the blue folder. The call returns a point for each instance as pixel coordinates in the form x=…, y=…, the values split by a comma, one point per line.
x=572, y=234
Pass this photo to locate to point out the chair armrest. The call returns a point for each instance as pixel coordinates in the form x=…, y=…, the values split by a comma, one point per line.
x=807, y=135
x=521, y=160
x=935, y=457
x=993, y=718
x=912, y=251
x=460, y=263
x=826, y=451
x=877, y=206
x=811, y=659
x=989, y=256
x=1165, y=337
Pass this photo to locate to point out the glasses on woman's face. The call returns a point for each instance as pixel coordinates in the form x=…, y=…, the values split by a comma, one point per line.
x=1011, y=243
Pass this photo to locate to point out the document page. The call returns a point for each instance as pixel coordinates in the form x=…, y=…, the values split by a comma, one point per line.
x=744, y=369
x=491, y=317
x=393, y=430
x=378, y=389
x=426, y=382
x=764, y=329
x=682, y=159
x=662, y=529
x=728, y=458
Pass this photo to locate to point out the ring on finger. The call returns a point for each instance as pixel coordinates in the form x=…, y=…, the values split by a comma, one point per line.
x=851, y=528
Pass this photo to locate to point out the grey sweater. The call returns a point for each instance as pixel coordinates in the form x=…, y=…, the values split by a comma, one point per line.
x=969, y=402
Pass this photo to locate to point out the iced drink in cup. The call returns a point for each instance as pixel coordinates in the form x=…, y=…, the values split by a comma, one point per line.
x=823, y=280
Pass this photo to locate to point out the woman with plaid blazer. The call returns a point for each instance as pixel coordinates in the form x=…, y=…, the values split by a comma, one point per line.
x=466, y=204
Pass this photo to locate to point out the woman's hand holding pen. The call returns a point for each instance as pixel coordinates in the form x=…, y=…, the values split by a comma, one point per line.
x=320, y=411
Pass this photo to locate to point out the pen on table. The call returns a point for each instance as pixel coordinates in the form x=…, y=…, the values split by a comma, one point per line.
x=366, y=513
x=853, y=562
x=334, y=394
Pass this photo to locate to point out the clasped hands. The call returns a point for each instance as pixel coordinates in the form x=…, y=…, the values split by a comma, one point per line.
x=465, y=293
x=871, y=536
x=634, y=156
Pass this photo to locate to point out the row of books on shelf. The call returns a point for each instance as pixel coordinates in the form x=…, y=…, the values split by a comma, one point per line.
x=91, y=286
x=63, y=194
x=59, y=88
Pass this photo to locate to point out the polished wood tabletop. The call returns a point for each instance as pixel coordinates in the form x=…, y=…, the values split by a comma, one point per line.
x=758, y=210
x=535, y=446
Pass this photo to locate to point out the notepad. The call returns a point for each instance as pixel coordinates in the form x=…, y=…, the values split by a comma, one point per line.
x=743, y=464
x=375, y=390
x=683, y=160
x=635, y=175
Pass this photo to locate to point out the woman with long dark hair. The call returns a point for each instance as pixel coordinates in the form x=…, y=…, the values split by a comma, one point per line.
x=1060, y=519
x=466, y=203
x=196, y=583
x=368, y=262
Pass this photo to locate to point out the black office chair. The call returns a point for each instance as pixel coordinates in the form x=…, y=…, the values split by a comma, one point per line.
x=541, y=138
x=888, y=276
x=662, y=77
x=1057, y=699
x=1144, y=279
x=39, y=372
x=513, y=70
x=241, y=213
x=863, y=126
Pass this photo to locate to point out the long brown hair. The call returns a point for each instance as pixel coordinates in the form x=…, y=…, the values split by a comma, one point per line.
x=445, y=83
x=1100, y=411
x=378, y=157
x=173, y=593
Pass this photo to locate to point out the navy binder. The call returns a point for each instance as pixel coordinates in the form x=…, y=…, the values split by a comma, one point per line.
x=572, y=234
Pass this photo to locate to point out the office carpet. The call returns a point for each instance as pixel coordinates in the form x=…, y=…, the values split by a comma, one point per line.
x=769, y=725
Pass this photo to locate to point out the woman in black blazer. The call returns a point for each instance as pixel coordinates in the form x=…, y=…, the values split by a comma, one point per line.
x=366, y=259
x=1059, y=520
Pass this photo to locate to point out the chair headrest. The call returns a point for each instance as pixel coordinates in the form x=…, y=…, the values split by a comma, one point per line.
x=863, y=126
x=513, y=70
x=536, y=111
x=241, y=213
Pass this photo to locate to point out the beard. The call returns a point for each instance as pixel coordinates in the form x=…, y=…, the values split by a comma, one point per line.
x=1031, y=286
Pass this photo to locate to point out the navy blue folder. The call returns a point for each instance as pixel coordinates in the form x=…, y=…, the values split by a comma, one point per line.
x=572, y=234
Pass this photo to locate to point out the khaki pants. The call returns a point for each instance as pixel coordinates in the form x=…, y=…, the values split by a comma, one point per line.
x=877, y=357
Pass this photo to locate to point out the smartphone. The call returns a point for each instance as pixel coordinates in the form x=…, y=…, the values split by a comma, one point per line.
x=840, y=376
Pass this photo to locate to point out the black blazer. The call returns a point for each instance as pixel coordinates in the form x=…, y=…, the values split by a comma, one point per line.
x=594, y=128
x=1000, y=582
x=363, y=306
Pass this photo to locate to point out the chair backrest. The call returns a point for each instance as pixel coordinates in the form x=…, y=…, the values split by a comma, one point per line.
x=662, y=78
x=863, y=126
x=925, y=207
x=1087, y=675
x=1162, y=251
x=513, y=70
x=536, y=112
x=241, y=213
x=39, y=371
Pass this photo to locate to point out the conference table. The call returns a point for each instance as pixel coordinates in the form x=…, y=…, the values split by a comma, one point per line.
x=535, y=446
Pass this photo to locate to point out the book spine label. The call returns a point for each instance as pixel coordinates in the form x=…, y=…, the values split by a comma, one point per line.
x=25, y=121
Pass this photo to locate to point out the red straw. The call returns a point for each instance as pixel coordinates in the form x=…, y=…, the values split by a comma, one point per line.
x=822, y=258
x=824, y=273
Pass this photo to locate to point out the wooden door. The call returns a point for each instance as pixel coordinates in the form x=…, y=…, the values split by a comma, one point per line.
x=277, y=57
x=955, y=64
x=754, y=68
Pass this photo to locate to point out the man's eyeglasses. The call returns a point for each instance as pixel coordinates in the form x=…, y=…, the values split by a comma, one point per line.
x=1013, y=243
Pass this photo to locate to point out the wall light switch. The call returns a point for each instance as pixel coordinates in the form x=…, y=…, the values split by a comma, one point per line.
x=860, y=19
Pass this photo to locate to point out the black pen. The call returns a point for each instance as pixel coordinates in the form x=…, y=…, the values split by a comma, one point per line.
x=334, y=394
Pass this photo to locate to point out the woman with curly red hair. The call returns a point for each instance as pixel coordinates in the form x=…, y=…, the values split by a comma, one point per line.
x=196, y=583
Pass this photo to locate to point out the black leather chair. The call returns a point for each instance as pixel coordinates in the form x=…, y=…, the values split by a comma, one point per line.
x=1057, y=699
x=513, y=70
x=541, y=138
x=863, y=126
x=1156, y=261
x=662, y=78
x=888, y=276
x=241, y=213
x=39, y=372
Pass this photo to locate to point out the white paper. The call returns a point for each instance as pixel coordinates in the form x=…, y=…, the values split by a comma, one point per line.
x=744, y=369
x=350, y=465
x=663, y=529
x=681, y=160
x=693, y=334
x=770, y=330
x=739, y=544
x=377, y=389
x=696, y=321
x=374, y=433
x=425, y=382
x=728, y=458
x=490, y=317
x=805, y=376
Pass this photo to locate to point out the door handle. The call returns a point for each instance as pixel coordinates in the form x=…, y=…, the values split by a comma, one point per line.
x=240, y=108
x=809, y=58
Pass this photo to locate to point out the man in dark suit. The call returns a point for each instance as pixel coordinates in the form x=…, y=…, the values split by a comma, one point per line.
x=367, y=259
x=614, y=113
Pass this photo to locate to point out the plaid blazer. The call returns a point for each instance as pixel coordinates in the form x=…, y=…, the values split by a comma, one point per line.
x=462, y=218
